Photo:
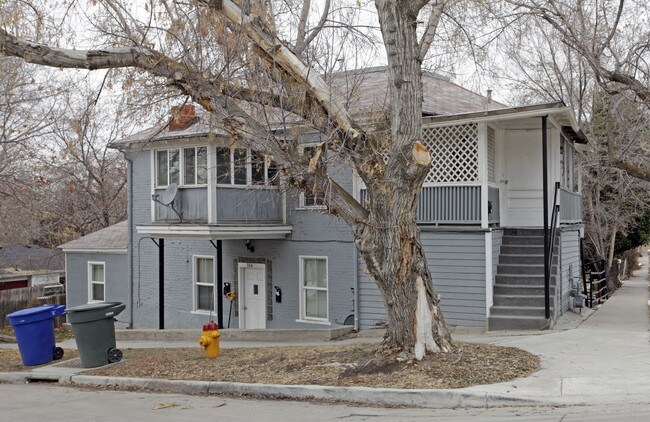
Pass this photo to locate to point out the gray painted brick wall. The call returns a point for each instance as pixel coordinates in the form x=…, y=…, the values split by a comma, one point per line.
x=314, y=234
x=115, y=275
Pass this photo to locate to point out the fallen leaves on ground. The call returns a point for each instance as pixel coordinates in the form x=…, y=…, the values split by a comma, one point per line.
x=349, y=365
x=10, y=360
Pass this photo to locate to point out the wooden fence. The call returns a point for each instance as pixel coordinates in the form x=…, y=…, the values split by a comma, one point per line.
x=16, y=299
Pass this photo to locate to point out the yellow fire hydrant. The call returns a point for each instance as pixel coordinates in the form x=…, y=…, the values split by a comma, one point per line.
x=210, y=340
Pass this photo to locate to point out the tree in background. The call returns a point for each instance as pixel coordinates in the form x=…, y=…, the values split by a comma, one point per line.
x=612, y=40
x=58, y=179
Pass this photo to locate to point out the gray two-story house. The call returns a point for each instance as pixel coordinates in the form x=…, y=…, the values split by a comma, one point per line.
x=207, y=217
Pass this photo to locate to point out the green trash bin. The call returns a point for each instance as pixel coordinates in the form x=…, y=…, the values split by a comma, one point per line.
x=94, y=331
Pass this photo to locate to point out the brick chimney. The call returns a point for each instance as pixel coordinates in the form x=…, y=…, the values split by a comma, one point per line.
x=182, y=117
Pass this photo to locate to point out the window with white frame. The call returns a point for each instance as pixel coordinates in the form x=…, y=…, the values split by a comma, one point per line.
x=309, y=199
x=203, y=283
x=569, y=166
x=195, y=166
x=313, y=286
x=241, y=166
x=167, y=167
x=183, y=166
x=96, y=281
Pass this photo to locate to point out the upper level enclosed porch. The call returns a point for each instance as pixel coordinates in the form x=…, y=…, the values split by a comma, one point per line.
x=203, y=185
x=487, y=167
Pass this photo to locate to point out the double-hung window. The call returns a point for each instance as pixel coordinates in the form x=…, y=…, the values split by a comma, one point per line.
x=309, y=199
x=203, y=283
x=313, y=286
x=167, y=167
x=241, y=166
x=569, y=166
x=195, y=164
x=96, y=281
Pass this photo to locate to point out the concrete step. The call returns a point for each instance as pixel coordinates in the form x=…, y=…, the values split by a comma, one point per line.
x=525, y=249
x=513, y=311
x=525, y=279
x=523, y=240
x=500, y=323
x=524, y=232
x=520, y=289
x=533, y=259
x=520, y=300
x=523, y=269
x=277, y=334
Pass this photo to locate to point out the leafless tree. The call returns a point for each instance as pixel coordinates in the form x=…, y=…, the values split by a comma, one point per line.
x=220, y=51
x=613, y=40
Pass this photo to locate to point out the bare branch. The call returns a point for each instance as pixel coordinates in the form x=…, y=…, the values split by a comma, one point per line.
x=431, y=28
x=304, y=41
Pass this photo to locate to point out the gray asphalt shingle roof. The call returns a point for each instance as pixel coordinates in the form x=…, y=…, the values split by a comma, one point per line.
x=112, y=237
x=28, y=258
x=363, y=91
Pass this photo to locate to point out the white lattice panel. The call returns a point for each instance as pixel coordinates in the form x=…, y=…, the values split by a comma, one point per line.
x=454, y=153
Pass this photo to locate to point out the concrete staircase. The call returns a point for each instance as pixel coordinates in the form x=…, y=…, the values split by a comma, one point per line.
x=519, y=285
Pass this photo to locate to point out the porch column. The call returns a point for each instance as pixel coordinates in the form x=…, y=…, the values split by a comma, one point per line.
x=483, y=173
x=547, y=252
x=212, y=184
x=161, y=284
x=219, y=247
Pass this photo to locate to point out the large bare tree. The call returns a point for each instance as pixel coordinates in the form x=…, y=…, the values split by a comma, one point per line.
x=223, y=52
x=613, y=40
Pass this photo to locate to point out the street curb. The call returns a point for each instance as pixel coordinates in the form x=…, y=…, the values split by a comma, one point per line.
x=363, y=395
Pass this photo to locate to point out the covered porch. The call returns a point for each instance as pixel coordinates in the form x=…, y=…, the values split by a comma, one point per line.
x=488, y=168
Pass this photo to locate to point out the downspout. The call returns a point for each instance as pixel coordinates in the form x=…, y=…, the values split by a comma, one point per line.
x=547, y=252
x=129, y=226
x=355, y=257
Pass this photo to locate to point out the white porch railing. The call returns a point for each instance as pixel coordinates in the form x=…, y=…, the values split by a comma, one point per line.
x=570, y=206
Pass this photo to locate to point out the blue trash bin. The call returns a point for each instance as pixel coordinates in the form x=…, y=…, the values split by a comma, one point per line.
x=34, y=330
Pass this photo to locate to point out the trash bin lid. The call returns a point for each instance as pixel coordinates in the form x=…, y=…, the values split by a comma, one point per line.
x=94, y=311
x=94, y=306
x=38, y=313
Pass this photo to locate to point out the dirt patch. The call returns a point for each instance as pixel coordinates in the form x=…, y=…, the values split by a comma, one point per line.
x=350, y=365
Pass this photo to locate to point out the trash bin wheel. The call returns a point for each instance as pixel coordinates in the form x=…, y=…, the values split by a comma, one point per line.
x=57, y=353
x=114, y=355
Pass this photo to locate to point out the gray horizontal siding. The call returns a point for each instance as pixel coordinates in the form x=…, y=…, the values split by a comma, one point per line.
x=241, y=205
x=569, y=264
x=457, y=264
x=193, y=203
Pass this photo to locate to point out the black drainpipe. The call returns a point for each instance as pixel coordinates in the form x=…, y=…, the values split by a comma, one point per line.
x=547, y=269
x=219, y=249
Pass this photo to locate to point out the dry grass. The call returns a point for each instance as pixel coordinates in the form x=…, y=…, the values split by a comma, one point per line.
x=352, y=365
x=10, y=360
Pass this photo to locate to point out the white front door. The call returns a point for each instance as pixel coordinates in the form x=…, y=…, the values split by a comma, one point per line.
x=252, y=287
x=523, y=157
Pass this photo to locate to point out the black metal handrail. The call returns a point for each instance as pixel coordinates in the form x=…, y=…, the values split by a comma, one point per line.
x=549, y=245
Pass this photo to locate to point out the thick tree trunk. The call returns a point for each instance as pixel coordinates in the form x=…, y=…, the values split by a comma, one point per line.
x=390, y=242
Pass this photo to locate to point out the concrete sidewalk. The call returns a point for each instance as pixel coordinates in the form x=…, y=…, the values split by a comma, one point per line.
x=606, y=359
